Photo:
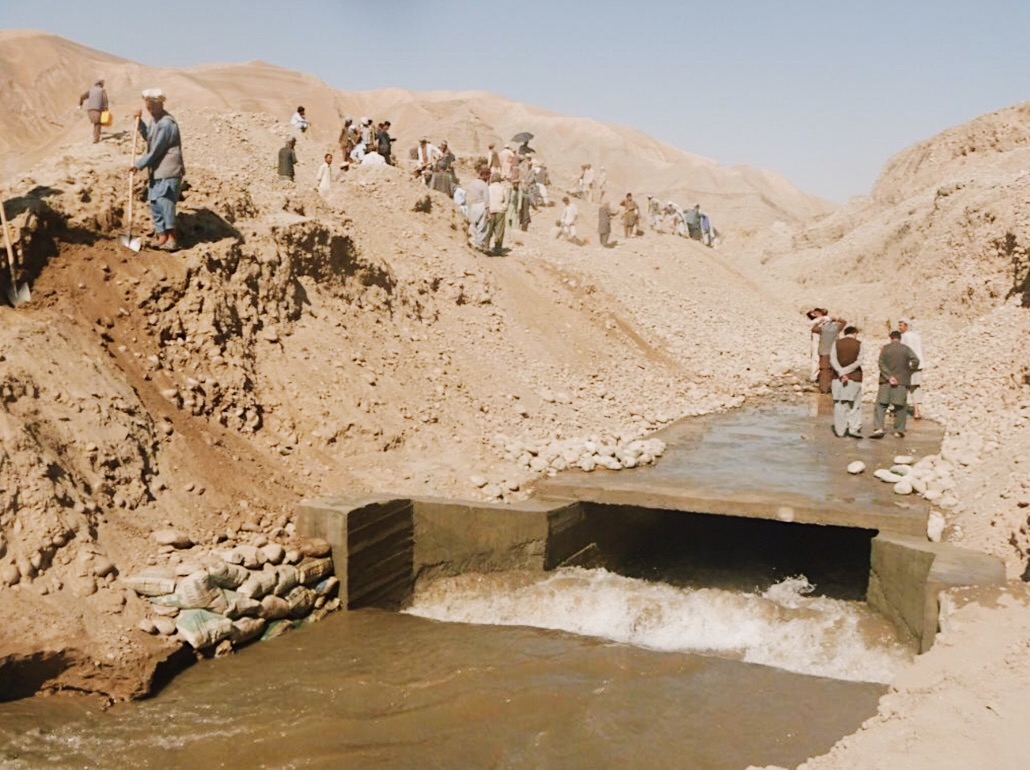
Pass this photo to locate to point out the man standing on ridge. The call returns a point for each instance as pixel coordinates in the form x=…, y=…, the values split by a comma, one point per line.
x=96, y=102
x=164, y=165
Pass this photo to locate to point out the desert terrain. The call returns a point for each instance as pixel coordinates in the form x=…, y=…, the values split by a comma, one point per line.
x=301, y=345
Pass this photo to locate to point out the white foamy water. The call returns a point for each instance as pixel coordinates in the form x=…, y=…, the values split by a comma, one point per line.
x=783, y=627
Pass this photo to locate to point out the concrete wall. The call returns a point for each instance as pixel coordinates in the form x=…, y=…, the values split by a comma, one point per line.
x=382, y=546
x=907, y=574
x=373, y=547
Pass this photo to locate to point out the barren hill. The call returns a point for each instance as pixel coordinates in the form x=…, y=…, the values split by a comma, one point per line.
x=949, y=219
x=37, y=112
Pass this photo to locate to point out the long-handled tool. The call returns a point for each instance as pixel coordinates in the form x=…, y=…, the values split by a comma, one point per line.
x=127, y=240
x=16, y=295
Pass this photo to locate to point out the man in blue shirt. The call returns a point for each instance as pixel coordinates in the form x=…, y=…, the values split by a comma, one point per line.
x=165, y=169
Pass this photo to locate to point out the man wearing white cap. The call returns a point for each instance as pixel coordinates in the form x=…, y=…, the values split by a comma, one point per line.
x=165, y=169
x=911, y=338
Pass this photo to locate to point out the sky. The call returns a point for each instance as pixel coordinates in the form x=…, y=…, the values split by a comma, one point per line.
x=823, y=92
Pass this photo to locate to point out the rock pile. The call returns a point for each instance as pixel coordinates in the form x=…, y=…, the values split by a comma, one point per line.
x=227, y=598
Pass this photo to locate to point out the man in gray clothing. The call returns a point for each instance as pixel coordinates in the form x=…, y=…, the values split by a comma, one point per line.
x=897, y=362
x=287, y=159
x=165, y=169
x=96, y=102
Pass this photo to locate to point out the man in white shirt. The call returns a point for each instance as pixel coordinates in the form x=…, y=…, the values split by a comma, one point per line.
x=299, y=120
x=567, y=223
x=911, y=338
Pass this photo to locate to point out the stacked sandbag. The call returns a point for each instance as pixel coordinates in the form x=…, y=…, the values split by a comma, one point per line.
x=212, y=599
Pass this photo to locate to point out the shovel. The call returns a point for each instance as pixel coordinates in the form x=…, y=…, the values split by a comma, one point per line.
x=127, y=240
x=16, y=295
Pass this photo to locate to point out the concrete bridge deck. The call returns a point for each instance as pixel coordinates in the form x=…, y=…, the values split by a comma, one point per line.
x=776, y=461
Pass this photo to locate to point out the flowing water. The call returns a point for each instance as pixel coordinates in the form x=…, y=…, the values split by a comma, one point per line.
x=610, y=677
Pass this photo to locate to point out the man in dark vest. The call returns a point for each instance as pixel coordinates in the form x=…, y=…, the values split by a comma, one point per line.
x=897, y=362
x=846, y=388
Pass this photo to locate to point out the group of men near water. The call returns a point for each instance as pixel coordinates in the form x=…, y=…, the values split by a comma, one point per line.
x=837, y=370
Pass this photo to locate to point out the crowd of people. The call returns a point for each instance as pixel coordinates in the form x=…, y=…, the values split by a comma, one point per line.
x=508, y=185
x=837, y=369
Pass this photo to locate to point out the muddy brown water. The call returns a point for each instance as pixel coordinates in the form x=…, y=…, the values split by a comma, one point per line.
x=372, y=689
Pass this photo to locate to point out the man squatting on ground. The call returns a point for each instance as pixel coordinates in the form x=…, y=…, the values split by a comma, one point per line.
x=846, y=360
x=897, y=362
x=165, y=169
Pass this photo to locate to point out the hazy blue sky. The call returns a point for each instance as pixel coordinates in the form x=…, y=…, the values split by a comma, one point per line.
x=821, y=91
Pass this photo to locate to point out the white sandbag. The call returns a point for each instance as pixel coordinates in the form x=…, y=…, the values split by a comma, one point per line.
x=245, y=629
x=259, y=584
x=201, y=628
x=328, y=586
x=226, y=575
x=313, y=570
x=196, y=591
x=274, y=608
x=152, y=581
x=238, y=605
x=301, y=600
x=287, y=578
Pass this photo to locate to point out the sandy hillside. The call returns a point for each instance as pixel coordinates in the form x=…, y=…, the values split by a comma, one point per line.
x=301, y=346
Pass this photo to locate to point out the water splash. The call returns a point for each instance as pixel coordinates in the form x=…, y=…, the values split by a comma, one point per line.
x=783, y=627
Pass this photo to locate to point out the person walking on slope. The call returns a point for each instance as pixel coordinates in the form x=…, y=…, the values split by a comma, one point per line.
x=604, y=223
x=498, y=195
x=911, y=338
x=164, y=165
x=567, y=222
x=287, y=160
x=477, y=198
x=897, y=362
x=96, y=102
x=630, y=215
x=324, y=176
x=846, y=360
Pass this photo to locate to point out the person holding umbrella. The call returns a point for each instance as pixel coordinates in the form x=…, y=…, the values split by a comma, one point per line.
x=522, y=139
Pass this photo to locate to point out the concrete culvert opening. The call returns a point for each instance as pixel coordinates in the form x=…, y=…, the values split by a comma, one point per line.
x=730, y=552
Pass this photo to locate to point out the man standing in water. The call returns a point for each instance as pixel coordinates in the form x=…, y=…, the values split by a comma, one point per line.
x=165, y=168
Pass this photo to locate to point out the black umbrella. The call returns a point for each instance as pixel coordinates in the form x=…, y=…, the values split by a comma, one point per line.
x=522, y=137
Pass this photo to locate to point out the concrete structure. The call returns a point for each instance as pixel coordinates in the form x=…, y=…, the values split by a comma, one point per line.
x=778, y=462
x=907, y=575
x=382, y=545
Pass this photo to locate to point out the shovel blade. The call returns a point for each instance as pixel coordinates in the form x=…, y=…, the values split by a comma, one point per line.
x=131, y=243
x=18, y=295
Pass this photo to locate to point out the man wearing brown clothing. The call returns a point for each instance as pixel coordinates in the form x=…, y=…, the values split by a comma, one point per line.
x=846, y=361
x=897, y=362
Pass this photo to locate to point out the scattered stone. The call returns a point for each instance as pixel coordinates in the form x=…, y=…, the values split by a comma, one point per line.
x=903, y=487
x=904, y=459
x=856, y=467
x=10, y=574
x=887, y=476
x=172, y=537
x=147, y=626
x=935, y=526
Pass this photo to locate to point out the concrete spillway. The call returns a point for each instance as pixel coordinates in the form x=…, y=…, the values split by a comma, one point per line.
x=756, y=489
